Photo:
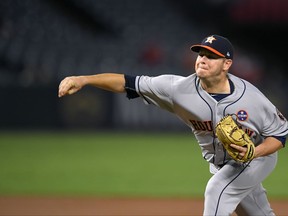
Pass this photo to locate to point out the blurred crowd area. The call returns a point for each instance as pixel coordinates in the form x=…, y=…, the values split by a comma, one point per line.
x=43, y=41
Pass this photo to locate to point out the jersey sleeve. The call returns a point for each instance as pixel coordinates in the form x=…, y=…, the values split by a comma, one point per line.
x=156, y=90
x=275, y=124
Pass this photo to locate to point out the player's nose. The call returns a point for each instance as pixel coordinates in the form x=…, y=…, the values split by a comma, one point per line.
x=202, y=59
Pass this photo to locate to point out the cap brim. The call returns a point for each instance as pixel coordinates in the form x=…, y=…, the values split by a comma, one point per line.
x=196, y=48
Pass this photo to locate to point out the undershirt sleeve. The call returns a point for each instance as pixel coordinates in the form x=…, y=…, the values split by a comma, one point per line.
x=130, y=87
x=282, y=139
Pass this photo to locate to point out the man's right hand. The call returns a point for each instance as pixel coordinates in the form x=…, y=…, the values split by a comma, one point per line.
x=70, y=85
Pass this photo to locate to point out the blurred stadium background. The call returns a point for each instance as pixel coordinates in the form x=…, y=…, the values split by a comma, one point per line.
x=42, y=41
x=52, y=146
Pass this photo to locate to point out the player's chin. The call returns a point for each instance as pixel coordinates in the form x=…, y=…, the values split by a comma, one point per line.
x=201, y=73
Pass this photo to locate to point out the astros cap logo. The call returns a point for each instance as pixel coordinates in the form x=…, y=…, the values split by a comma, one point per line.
x=210, y=39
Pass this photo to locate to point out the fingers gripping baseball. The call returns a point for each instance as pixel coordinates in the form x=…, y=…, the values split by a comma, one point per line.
x=69, y=85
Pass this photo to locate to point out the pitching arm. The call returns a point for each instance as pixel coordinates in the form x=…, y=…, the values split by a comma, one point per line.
x=269, y=146
x=107, y=81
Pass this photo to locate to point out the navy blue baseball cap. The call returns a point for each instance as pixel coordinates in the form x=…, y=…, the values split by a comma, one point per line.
x=216, y=44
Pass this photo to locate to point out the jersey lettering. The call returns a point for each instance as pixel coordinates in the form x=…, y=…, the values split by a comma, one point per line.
x=203, y=126
x=248, y=131
x=207, y=126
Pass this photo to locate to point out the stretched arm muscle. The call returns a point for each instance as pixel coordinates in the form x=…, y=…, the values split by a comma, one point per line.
x=107, y=81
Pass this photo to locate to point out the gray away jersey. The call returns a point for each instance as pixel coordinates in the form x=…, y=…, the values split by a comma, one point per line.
x=185, y=97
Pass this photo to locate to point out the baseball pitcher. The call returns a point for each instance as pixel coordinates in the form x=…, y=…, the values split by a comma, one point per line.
x=238, y=129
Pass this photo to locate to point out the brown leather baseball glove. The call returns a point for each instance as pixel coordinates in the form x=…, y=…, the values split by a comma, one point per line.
x=228, y=132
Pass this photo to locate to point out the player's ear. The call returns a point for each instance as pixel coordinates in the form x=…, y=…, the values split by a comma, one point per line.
x=227, y=64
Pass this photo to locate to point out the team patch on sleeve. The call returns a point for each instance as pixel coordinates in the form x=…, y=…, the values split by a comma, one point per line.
x=281, y=116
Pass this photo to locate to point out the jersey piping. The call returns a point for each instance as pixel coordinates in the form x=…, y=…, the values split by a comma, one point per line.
x=211, y=112
x=219, y=198
x=244, y=90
